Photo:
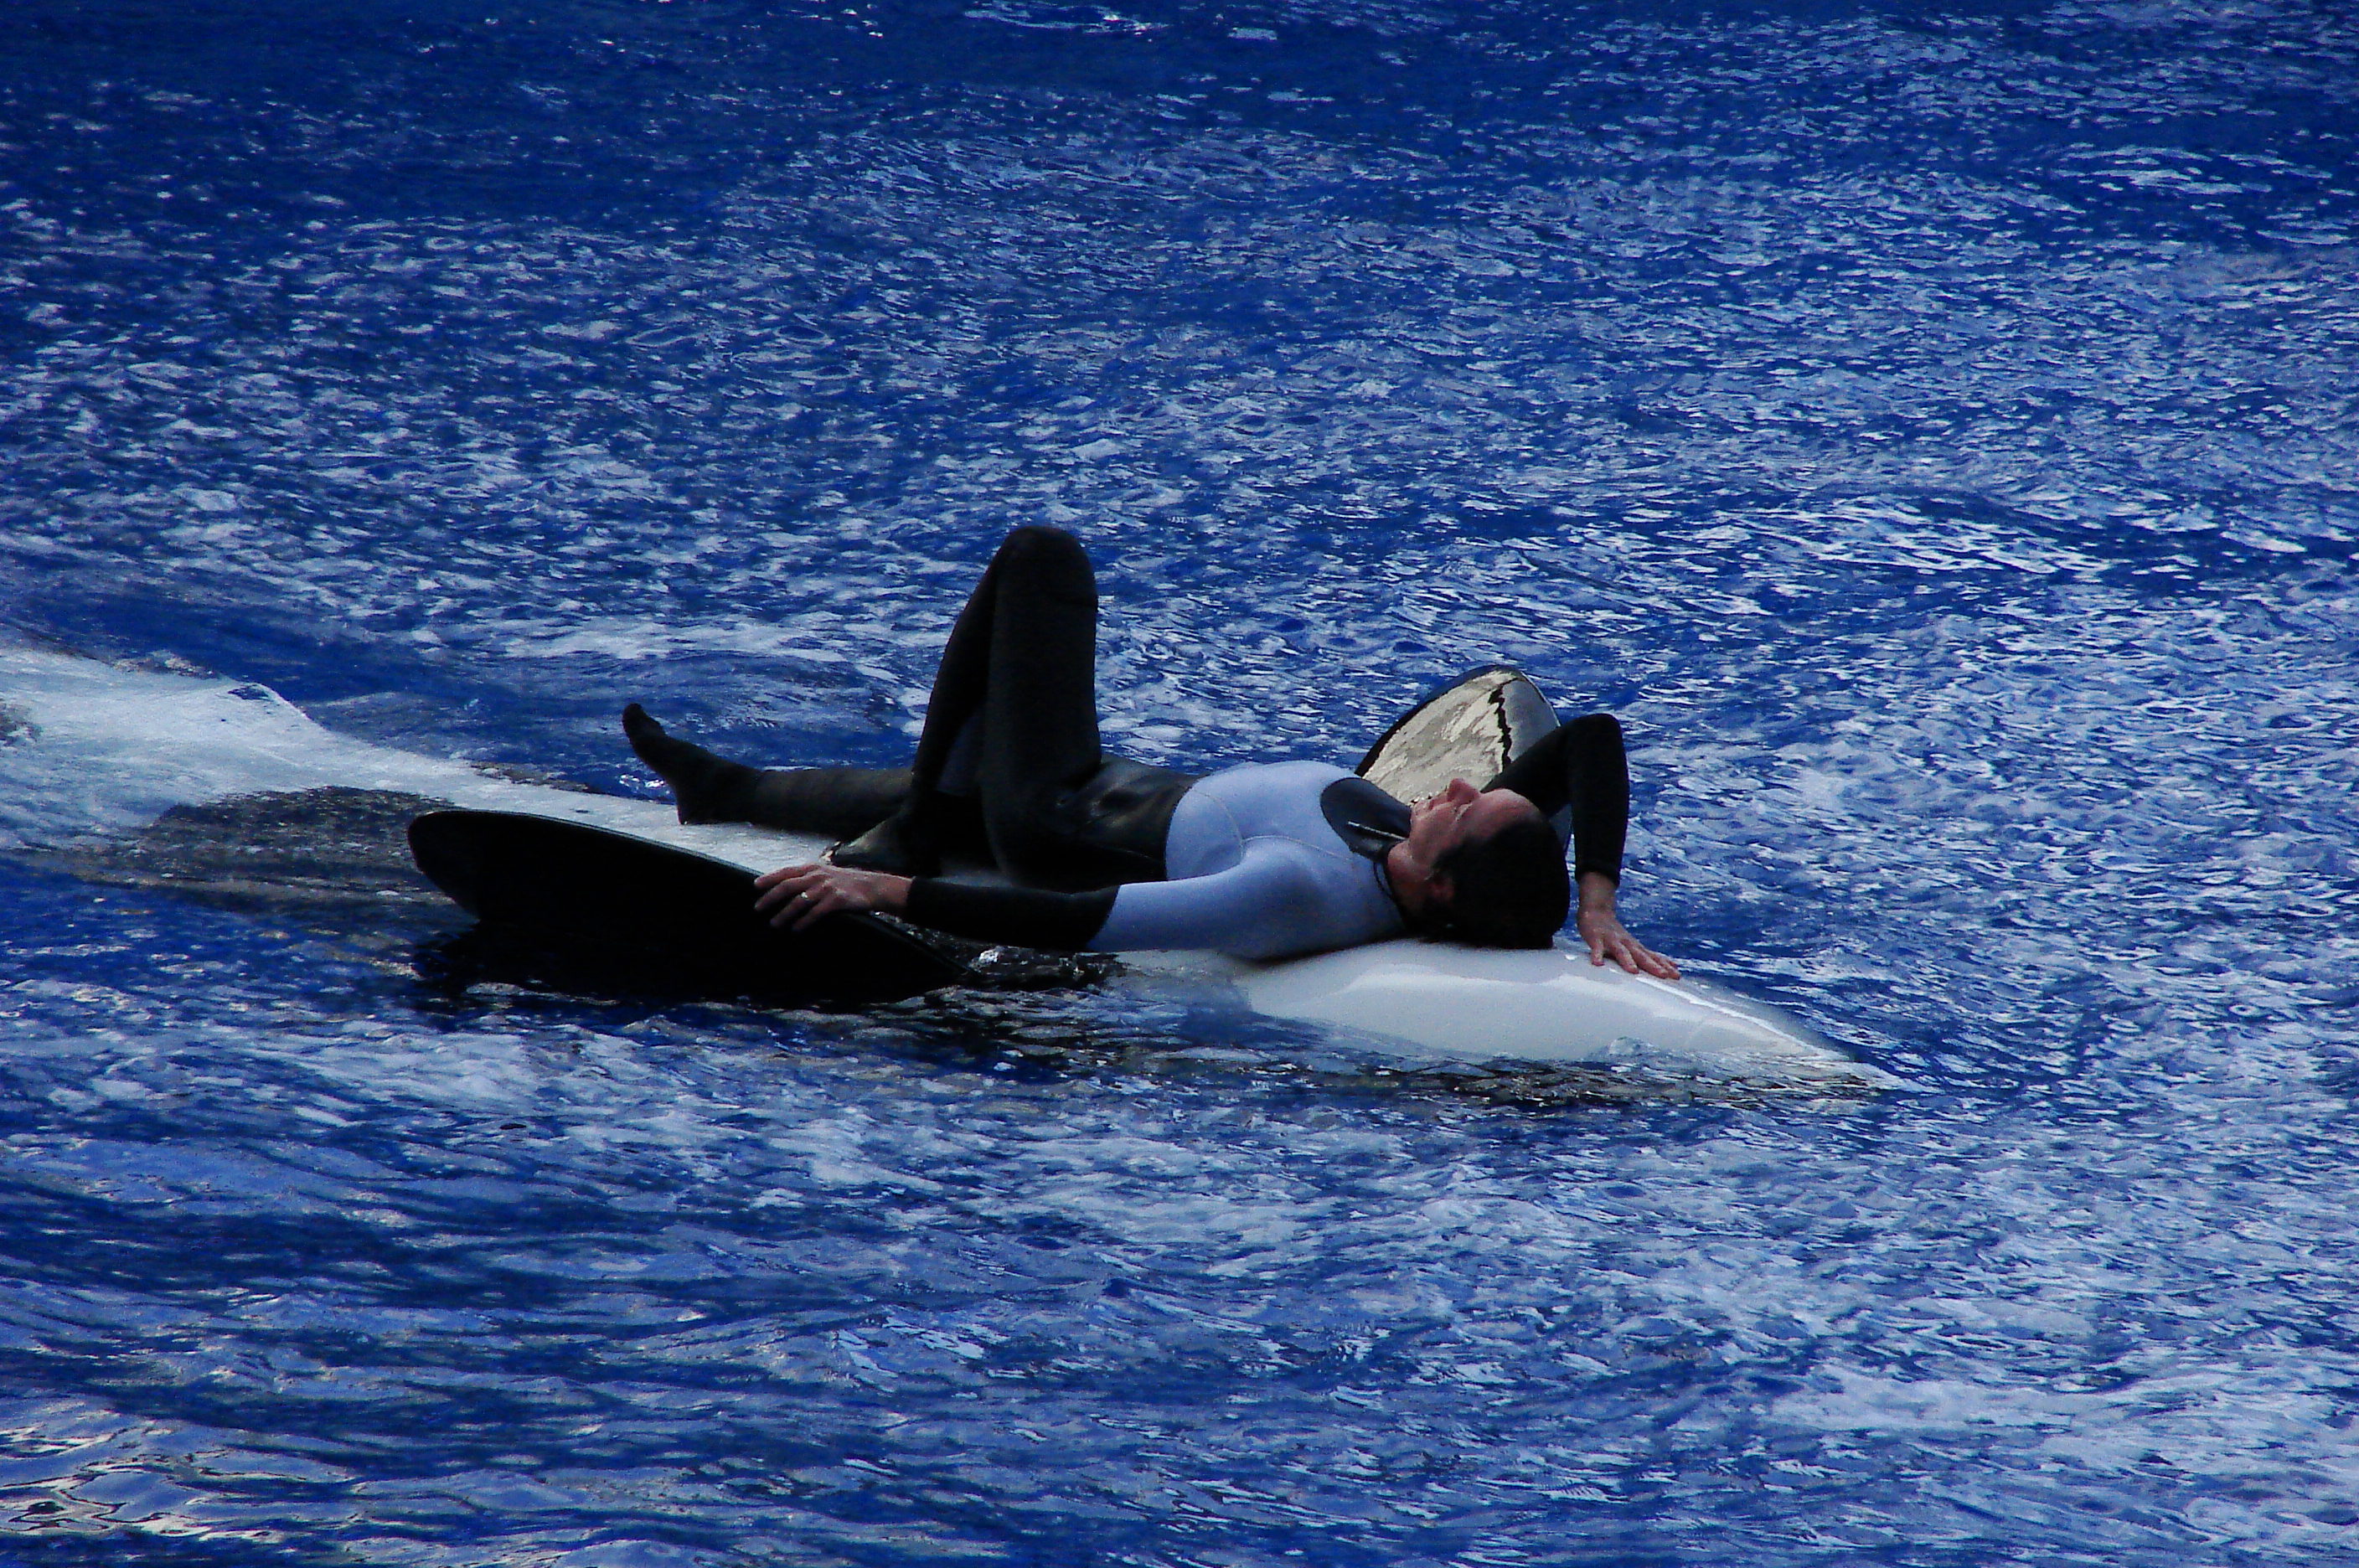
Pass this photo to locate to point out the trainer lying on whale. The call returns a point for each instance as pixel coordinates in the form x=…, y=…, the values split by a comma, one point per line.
x=1106, y=854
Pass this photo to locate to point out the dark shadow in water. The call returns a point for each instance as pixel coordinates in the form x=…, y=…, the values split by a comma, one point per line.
x=332, y=860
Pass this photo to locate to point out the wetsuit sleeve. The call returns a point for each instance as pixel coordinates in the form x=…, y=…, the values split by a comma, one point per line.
x=1580, y=764
x=1244, y=907
x=1023, y=917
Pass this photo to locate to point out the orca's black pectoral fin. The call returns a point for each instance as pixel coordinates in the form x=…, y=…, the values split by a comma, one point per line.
x=662, y=910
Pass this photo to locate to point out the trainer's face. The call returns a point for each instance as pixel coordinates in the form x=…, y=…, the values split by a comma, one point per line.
x=1461, y=814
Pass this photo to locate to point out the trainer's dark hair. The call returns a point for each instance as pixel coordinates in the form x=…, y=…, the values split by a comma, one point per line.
x=1510, y=889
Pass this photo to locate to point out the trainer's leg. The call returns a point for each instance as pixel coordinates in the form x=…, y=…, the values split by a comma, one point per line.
x=1038, y=739
x=1013, y=701
x=837, y=802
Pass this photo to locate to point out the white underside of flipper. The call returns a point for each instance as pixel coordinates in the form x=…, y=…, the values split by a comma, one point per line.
x=1470, y=731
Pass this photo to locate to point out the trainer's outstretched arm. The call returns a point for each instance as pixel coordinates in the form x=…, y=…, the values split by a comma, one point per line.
x=1603, y=930
x=1582, y=765
x=795, y=896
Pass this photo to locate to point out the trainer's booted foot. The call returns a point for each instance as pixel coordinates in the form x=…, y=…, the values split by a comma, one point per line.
x=707, y=788
x=905, y=844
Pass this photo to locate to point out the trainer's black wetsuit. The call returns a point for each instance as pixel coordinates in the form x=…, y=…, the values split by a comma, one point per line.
x=1108, y=854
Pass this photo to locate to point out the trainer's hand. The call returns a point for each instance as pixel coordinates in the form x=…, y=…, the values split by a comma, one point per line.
x=795, y=896
x=1603, y=930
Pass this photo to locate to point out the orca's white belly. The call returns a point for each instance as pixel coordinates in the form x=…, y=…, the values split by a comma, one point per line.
x=1545, y=1006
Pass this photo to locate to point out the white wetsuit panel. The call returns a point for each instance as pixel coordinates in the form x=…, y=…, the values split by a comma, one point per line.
x=1254, y=870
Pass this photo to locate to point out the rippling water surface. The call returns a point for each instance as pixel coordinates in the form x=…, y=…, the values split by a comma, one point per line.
x=1932, y=426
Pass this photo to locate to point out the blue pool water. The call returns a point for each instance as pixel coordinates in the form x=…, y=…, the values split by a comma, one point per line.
x=1930, y=426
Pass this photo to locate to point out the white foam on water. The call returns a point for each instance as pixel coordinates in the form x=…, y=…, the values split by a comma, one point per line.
x=97, y=749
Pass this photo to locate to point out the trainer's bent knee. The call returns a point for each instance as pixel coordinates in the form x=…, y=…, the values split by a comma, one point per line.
x=1038, y=541
x=1047, y=556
